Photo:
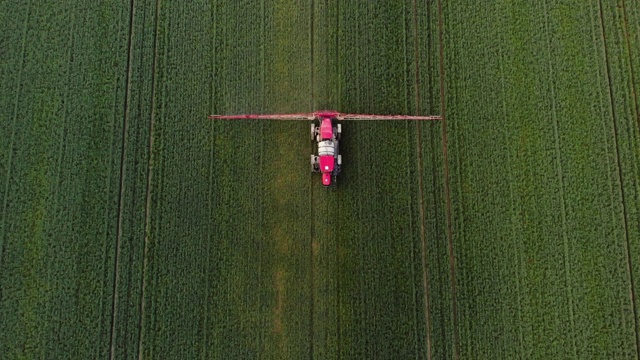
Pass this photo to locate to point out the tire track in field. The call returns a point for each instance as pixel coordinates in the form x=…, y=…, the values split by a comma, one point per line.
x=337, y=239
x=312, y=234
x=211, y=182
x=114, y=303
x=338, y=217
x=447, y=192
x=261, y=162
x=13, y=133
x=560, y=176
x=423, y=240
x=632, y=293
x=147, y=211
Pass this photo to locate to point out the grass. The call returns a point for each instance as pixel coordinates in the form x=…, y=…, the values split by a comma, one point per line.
x=620, y=38
x=132, y=226
x=540, y=231
x=62, y=107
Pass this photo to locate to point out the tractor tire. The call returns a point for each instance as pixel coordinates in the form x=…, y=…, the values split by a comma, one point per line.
x=339, y=132
x=313, y=163
x=339, y=159
x=313, y=131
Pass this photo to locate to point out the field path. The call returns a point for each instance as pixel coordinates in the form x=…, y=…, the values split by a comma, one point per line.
x=447, y=192
x=418, y=127
x=114, y=304
x=312, y=178
x=148, y=208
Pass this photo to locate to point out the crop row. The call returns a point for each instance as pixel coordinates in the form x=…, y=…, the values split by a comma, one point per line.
x=61, y=101
x=538, y=230
x=228, y=273
x=133, y=214
x=374, y=245
x=436, y=242
x=217, y=241
x=619, y=27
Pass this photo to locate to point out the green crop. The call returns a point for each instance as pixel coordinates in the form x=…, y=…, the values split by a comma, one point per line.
x=538, y=222
x=131, y=226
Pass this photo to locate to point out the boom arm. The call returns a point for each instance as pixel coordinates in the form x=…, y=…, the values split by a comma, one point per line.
x=302, y=116
x=385, y=117
x=314, y=115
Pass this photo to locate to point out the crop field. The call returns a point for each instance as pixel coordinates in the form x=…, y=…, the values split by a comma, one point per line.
x=131, y=226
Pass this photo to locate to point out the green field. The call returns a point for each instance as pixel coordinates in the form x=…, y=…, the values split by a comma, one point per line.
x=131, y=226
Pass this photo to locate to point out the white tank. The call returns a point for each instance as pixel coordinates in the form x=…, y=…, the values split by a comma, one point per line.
x=326, y=148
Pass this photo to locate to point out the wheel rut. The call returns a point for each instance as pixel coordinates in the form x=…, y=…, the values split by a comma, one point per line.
x=125, y=120
x=312, y=237
x=447, y=191
x=147, y=224
x=423, y=240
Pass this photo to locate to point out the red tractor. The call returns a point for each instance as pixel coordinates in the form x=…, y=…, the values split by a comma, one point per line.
x=328, y=161
x=326, y=131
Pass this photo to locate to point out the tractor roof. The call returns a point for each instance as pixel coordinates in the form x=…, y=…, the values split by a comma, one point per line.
x=326, y=129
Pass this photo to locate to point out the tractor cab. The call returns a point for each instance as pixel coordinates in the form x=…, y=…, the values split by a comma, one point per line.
x=326, y=129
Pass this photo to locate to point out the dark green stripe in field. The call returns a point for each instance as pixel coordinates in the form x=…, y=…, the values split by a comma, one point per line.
x=436, y=245
x=368, y=260
x=61, y=104
x=538, y=219
x=129, y=241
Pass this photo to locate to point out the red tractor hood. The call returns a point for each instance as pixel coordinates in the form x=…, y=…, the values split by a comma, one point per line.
x=326, y=164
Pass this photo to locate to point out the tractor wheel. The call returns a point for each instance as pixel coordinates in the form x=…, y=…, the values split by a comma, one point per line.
x=339, y=132
x=313, y=163
x=339, y=159
x=313, y=130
